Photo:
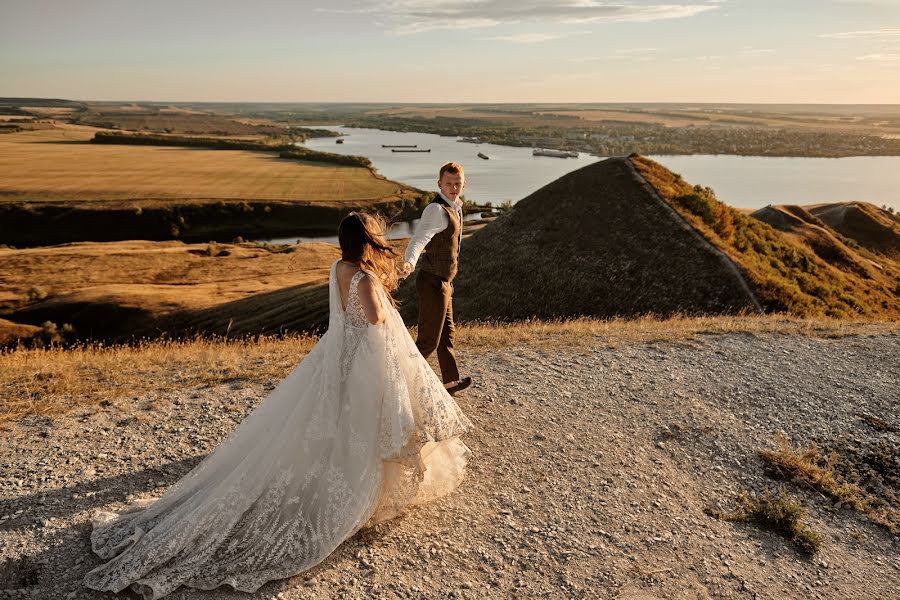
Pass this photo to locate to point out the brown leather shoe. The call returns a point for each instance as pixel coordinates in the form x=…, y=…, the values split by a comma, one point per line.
x=457, y=386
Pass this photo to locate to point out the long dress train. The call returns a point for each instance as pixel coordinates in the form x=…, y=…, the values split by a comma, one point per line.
x=359, y=430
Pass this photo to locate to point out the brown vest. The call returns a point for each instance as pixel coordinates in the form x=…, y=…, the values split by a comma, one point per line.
x=441, y=257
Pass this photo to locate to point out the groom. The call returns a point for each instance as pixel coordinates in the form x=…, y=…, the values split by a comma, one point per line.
x=439, y=234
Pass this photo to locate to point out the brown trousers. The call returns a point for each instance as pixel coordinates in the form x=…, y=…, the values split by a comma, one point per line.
x=436, y=329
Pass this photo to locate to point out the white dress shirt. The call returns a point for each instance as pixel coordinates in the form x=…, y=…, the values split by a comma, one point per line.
x=434, y=220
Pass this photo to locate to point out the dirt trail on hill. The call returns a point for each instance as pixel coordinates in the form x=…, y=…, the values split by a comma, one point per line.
x=589, y=475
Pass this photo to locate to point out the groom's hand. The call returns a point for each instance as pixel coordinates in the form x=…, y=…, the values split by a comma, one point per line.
x=404, y=270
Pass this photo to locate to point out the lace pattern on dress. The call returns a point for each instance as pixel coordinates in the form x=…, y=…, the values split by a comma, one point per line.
x=323, y=455
x=355, y=323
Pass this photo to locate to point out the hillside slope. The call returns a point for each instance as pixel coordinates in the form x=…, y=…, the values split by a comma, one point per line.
x=784, y=272
x=116, y=290
x=865, y=223
x=594, y=242
x=831, y=246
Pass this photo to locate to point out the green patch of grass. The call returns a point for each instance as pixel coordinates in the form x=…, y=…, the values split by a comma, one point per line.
x=778, y=513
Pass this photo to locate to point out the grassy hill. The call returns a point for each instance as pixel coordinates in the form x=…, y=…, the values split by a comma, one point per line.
x=868, y=225
x=619, y=238
x=625, y=237
x=783, y=271
x=840, y=251
x=595, y=242
x=117, y=290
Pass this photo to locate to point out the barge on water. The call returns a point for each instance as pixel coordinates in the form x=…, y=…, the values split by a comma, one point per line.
x=399, y=145
x=555, y=153
x=410, y=150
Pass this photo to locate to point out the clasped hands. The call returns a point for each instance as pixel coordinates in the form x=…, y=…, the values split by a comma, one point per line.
x=404, y=270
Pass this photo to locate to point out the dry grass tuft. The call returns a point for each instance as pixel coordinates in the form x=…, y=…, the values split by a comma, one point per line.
x=586, y=331
x=53, y=380
x=49, y=381
x=876, y=423
x=774, y=513
x=810, y=467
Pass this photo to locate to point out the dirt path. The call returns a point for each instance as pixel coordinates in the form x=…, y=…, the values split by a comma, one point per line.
x=589, y=476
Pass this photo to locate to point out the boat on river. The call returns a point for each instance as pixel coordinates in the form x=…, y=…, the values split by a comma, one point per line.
x=483, y=155
x=554, y=153
x=410, y=150
x=399, y=145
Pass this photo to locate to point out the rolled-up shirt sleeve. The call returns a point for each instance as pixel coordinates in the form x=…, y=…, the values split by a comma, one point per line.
x=434, y=220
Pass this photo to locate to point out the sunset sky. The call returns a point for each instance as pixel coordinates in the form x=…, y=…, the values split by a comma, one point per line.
x=785, y=51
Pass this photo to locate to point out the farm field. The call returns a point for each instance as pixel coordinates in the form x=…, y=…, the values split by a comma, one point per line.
x=60, y=164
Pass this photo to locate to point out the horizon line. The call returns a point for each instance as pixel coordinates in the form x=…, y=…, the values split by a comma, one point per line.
x=472, y=102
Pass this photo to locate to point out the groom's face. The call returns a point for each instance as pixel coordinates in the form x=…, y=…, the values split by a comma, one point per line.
x=451, y=185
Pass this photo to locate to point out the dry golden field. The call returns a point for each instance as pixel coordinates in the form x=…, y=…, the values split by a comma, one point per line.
x=61, y=165
x=666, y=116
x=630, y=116
x=681, y=118
x=137, y=289
x=156, y=276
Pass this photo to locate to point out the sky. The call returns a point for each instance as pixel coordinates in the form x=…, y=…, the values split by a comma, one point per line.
x=455, y=51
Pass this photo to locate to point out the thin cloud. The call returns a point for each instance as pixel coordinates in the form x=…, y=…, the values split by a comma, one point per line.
x=632, y=54
x=748, y=51
x=879, y=57
x=420, y=16
x=534, y=38
x=632, y=51
x=868, y=34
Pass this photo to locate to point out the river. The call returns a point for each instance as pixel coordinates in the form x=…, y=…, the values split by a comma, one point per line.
x=512, y=173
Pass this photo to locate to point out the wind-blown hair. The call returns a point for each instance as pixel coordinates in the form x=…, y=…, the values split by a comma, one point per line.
x=361, y=237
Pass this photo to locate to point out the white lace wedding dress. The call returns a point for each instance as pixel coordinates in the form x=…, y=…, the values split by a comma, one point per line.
x=359, y=430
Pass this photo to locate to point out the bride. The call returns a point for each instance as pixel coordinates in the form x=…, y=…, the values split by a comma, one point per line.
x=359, y=430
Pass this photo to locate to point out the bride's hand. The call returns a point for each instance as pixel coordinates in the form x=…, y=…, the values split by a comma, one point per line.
x=404, y=270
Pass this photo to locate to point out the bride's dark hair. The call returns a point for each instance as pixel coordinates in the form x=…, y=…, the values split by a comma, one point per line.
x=361, y=237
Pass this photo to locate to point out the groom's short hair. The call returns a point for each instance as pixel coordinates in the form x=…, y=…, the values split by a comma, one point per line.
x=451, y=167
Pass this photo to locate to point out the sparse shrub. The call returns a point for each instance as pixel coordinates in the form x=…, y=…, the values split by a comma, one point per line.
x=775, y=513
x=699, y=206
x=469, y=206
x=809, y=466
x=724, y=225
x=52, y=335
x=35, y=294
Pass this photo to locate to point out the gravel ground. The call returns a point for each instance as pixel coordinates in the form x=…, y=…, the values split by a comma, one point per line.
x=590, y=472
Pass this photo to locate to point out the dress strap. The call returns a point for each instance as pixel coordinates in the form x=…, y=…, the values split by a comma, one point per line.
x=356, y=277
x=354, y=283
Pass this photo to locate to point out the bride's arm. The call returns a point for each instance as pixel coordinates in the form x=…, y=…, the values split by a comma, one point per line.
x=368, y=298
